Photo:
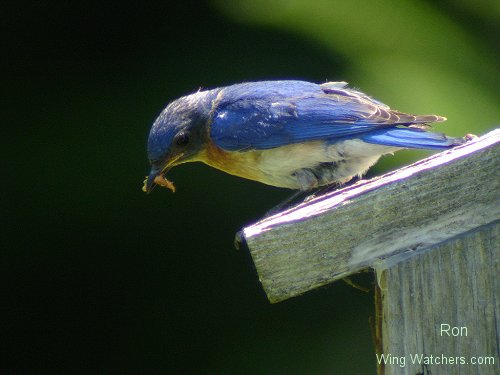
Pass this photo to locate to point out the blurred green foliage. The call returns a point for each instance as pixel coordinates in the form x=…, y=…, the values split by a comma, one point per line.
x=409, y=54
x=406, y=53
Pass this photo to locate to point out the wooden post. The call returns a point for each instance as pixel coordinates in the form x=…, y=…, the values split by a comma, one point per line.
x=430, y=231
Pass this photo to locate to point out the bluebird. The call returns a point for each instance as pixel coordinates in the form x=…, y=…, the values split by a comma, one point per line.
x=290, y=134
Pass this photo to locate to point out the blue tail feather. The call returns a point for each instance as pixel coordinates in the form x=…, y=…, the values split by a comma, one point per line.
x=411, y=138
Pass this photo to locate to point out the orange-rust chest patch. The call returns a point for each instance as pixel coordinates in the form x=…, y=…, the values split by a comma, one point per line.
x=239, y=163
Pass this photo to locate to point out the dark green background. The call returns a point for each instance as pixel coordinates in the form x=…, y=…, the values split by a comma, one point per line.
x=99, y=278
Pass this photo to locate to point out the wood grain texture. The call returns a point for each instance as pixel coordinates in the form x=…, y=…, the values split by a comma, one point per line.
x=389, y=217
x=455, y=283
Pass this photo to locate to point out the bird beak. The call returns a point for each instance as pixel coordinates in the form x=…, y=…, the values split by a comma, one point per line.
x=149, y=183
x=159, y=171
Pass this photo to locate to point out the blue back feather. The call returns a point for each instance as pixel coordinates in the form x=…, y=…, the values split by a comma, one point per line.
x=264, y=115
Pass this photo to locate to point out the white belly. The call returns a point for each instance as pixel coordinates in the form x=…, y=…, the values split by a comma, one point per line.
x=308, y=165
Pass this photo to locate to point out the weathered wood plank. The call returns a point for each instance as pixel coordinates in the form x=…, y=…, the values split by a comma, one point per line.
x=455, y=284
x=401, y=212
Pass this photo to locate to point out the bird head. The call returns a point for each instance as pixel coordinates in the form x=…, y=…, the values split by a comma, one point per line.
x=177, y=136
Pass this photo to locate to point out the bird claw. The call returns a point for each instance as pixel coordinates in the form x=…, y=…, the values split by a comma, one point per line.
x=470, y=137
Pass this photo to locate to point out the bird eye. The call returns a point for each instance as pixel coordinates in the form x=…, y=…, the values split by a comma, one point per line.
x=182, y=139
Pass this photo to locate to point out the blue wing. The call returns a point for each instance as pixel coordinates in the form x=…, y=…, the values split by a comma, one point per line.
x=264, y=115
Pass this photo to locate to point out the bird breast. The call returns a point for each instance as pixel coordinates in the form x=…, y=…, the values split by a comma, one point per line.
x=298, y=166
